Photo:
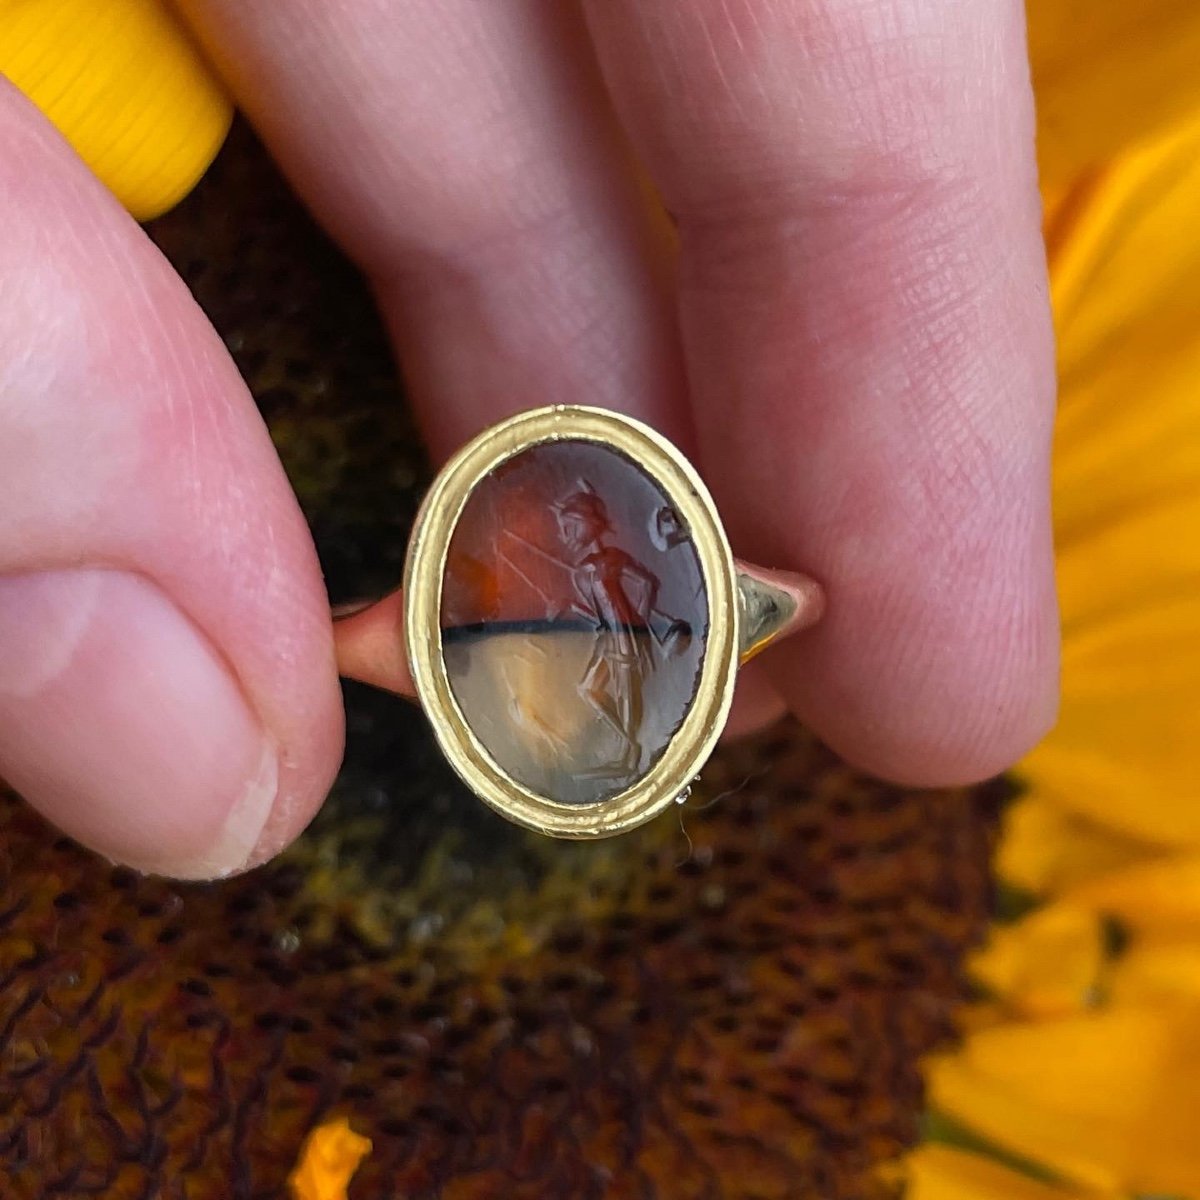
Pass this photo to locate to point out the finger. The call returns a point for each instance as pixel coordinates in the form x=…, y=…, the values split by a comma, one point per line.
x=167, y=686
x=464, y=155
x=864, y=314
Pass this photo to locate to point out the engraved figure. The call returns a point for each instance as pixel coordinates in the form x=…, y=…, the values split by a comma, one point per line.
x=616, y=596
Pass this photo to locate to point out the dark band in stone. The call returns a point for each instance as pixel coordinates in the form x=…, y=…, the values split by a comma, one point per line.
x=479, y=629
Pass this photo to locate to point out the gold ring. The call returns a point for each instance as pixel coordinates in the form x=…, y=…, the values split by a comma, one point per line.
x=573, y=620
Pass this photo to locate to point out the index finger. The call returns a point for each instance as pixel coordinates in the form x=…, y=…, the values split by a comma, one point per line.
x=863, y=304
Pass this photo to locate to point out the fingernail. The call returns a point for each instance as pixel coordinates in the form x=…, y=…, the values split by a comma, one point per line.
x=122, y=724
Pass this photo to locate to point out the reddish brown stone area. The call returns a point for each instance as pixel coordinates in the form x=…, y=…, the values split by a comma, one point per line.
x=574, y=618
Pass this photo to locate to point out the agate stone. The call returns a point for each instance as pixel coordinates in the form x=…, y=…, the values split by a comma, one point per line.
x=574, y=618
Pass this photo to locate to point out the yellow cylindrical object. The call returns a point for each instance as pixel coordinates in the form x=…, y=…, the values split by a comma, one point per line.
x=125, y=86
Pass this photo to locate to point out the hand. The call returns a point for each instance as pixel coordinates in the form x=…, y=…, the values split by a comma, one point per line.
x=850, y=334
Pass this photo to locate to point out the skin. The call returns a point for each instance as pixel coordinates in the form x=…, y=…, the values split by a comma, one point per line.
x=844, y=321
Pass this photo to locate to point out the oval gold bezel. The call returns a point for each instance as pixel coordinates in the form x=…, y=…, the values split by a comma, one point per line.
x=425, y=568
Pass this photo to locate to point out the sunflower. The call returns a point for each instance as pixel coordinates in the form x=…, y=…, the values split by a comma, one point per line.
x=685, y=1012
x=1079, y=1074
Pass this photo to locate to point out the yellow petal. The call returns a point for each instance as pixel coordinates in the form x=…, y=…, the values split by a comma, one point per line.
x=1066, y=960
x=328, y=1161
x=1108, y=74
x=1123, y=259
x=944, y=1173
x=1048, y=848
x=1158, y=904
x=1109, y=1100
x=1156, y=895
x=1129, y=938
x=1156, y=972
x=1126, y=269
x=1049, y=964
x=1124, y=751
x=123, y=83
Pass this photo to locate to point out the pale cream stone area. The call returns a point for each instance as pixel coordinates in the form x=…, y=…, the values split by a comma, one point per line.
x=563, y=719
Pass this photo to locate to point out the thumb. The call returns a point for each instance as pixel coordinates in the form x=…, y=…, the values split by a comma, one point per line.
x=168, y=692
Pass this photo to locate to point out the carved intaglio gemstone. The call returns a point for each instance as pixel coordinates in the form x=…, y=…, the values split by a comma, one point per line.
x=574, y=619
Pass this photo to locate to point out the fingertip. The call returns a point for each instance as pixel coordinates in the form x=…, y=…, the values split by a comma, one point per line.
x=953, y=712
x=932, y=758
